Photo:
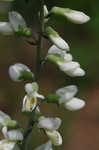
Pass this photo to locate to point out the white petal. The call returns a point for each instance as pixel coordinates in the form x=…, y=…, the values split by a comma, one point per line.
x=37, y=110
x=16, y=20
x=45, y=10
x=55, y=50
x=66, y=93
x=56, y=39
x=60, y=43
x=39, y=96
x=7, y=145
x=31, y=89
x=29, y=104
x=46, y=146
x=55, y=137
x=68, y=66
x=49, y=123
x=4, y=131
x=74, y=104
x=5, y=28
x=78, y=72
x=68, y=57
x=15, y=135
x=77, y=17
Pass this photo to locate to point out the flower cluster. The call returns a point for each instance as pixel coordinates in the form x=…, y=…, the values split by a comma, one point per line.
x=59, y=54
x=65, y=62
x=11, y=132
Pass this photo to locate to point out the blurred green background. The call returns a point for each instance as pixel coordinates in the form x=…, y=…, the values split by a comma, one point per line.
x=79, y=129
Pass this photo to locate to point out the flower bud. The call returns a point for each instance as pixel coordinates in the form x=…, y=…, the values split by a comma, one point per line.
x=74, y=104
x=45, y=10
x=55, y=137
x=56, y=39
x=53, y=50
x=74, y=16
x=77, y=17
x=16, y=20
x=18, y=24
x=20, y=72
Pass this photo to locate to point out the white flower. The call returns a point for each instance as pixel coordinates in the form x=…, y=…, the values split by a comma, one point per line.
x=66, y=97
x=19, y=72
x=46, y=146
x=16, y=20
x=7, y=145
x=74, y=104
x=29, y=104
x=31, y=99
x=15, y=134
x=66, y=93
x=56, y=39
x=49, y=123
x=55, y=137
x=77, y=17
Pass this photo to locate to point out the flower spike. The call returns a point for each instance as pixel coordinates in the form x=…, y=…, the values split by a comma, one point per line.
x=56, y=39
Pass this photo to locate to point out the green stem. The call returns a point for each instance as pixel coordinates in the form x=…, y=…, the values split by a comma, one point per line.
x=40, y=42
x=38, y=69
x=28, y=132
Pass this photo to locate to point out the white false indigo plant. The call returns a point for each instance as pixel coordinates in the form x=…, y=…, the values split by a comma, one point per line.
x=58, y=54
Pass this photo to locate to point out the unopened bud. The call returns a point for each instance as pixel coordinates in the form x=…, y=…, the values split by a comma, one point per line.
x=20, y=72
